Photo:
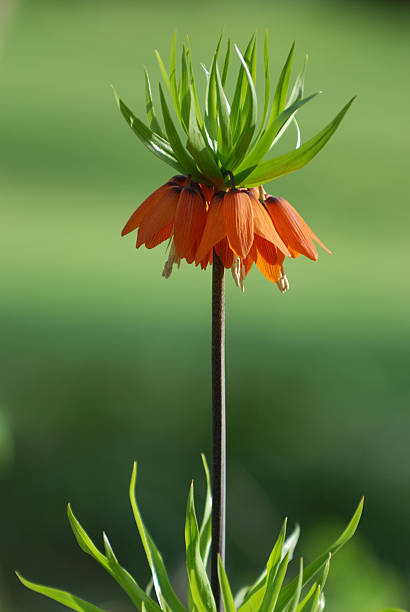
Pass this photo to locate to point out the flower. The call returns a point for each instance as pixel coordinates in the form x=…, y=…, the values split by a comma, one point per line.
x=177, y=212
x=292, y=229
x=242, y=233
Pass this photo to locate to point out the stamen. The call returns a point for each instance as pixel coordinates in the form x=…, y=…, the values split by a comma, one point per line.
x=283, y=283
x=238, y=272
x=173, y=258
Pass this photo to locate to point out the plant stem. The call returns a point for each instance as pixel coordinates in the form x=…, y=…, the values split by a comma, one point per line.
x=218, y=425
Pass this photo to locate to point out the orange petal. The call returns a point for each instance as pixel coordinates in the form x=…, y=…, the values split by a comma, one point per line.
x=159, y=216
x=214, y=228
x=190, y=219
x=225, y=253
x=264, y=226
x=254, y=191
x=293, y=230
x=160, y=236
x=238, y=221
x=137, y=216
x=268, y=259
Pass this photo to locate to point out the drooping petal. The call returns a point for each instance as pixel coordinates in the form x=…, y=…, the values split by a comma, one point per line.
x=238, y=221
x=267, y=258
x=214, y=230
x=137, y=216
x=190, y=219
x=264, y=226
x=159, y=216
x=225, y=253
x=293, y=230
x=164, y=234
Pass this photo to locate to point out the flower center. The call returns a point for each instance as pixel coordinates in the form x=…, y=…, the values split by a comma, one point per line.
x=283, y=283
x=238, y=272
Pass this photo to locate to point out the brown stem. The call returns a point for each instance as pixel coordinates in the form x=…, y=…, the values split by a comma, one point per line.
x=218, y=426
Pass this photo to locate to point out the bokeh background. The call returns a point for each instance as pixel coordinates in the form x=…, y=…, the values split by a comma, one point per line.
x=103, y=361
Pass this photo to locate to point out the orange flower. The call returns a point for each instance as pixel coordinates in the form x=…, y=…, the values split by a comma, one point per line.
x=176, y=211
x=292, y=229
x=242, y=233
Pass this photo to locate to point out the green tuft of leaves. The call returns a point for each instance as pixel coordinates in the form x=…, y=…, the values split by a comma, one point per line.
x=266, y=594
x=224, y=136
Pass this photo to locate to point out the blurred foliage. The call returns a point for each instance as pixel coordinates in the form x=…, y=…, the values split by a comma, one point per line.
x=102, y=361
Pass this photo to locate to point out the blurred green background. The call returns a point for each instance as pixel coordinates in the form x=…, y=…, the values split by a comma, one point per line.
x=103, y=361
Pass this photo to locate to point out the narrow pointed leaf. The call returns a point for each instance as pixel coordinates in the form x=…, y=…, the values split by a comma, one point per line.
x=173, y=78
x=284, y=164
x=201, y=153
x=63, y=597
x=315, y=567
x=211, y=120
x=281, y=92
x=267, y=83
x=299, y=86
x=149, y=105
x=268, y=137
x=316, y=600
x=205, y=531
x=256, y=593
x=163, y=71
x=193, y=87
x=184, y=93
x=303, y=604
x=200, y=588
x=274, y=583
x=227, y=598
x=111, y=564
x=179, y=150
x=236, y=103
x=162, y=584
x=224, y=133
x=298, y=590
x=155, y=143
x=226, y=63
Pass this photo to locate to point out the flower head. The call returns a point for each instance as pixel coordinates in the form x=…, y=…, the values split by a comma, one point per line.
x=225, y=145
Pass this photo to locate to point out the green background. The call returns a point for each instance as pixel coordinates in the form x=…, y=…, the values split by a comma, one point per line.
x=103, y=361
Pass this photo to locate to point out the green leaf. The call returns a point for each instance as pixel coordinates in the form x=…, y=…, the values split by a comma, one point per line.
x=224, y=132
x=267, y=139
x=211, y=114
x=193, y=87
x=226, y=63
x=173, y=78
x=236, y=102
x=274, y=583
x=111, y=564
x=281, y=92
x=298, y=590
x=162, y=584
x=299, y=86
x=163, y=71
x=155, y=143
x=308, y=597
x=284, y=164
x=315, y=567
x=205, y=532
x=198, y=580
x=184, y=93
x=201, y=153
x=179, y=150
x=316, y=600
x=227, y=598
x=149, y=105
x=256, y=593
x=240, y=146
x=267, y=84
x=63, y=597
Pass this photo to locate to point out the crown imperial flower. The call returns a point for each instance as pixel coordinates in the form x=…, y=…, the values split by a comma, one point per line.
x=217, y=206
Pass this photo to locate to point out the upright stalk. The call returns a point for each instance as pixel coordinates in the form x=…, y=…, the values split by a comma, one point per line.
x=218, y=425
